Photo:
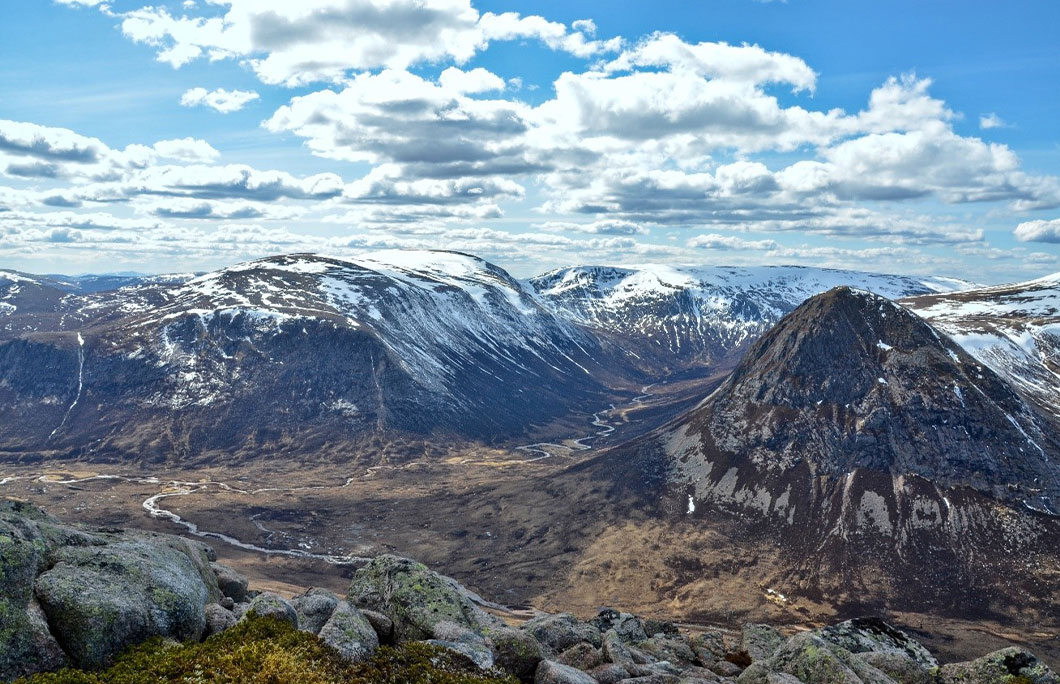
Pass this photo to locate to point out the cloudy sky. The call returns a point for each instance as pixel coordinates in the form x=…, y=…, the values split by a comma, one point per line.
x=901, y=136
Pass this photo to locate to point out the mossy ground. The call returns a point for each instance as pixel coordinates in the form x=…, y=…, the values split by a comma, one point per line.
x=263, y=650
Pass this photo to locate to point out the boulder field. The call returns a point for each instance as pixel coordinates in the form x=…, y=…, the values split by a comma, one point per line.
x=74, y=596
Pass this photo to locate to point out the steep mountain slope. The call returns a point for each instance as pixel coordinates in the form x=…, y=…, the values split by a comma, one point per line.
x=1014, y=329
x=678, y=318
x=21, y=292
x=877, y=452
x=276, y=349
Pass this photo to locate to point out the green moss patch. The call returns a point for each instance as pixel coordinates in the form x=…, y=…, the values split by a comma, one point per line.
x=264, y=650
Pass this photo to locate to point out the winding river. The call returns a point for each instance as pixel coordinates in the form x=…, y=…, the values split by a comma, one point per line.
x=177, y=488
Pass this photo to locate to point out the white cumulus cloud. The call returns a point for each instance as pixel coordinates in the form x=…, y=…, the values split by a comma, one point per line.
x=224, y=101
x=1039, y=231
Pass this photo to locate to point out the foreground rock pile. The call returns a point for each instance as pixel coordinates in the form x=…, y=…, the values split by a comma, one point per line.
x=77, y=597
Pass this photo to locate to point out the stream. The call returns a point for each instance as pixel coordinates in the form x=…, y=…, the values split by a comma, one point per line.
x=152, y=505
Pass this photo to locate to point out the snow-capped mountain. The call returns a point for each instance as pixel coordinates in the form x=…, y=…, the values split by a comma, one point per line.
x=691, y=316
x=1013, y=329
x=873, y=450
x=261, y=351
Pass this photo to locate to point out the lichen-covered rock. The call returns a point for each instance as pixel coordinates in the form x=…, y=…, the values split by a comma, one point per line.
x=672, y=649
x=26, y=645
x=812, y=659
x=785, y=678
x=725, y=668
x=218, y=619
x=415, y=598
x=629, y=628
x=899, y=667
x=551, y=672
x=470, y=645
x=1000, y=667
x=609, y=673
x=349, y=633
x=101, y=599
x=864, y=635
x=615, y=650
x=709, y=646
x=240, y=609
x=268, y=604
x=561, y=631
x=654, y=678
x=383, y=626
x=314, y=609
x=516, y=651
x=760, y=641
x=698, y=675
x=231, y=583
x=583, y=656
x=463, y=641
x=653, y=627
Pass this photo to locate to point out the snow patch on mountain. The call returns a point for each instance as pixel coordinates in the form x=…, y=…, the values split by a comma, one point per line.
x=1014, y=329
x=703, y=313
x=440, y=314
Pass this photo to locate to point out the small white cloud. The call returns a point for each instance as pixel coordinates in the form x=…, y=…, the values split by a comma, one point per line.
x=224, y=101
x=477, y=80
x=601, y=227
x=991, y=120
x=187, y=149
x=728, y=242
x=586, y=26
x=1039, y=231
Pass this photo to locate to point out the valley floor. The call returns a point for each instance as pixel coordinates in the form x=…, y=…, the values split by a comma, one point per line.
x=506, y=527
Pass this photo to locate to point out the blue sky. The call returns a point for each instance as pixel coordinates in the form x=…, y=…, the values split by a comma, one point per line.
x=913, y=137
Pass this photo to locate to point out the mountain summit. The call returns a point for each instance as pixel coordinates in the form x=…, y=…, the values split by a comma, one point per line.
x=851, y=381
x=881, y=457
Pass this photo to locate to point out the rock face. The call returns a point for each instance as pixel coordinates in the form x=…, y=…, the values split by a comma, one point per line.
x=79, y=597
x=872, y=448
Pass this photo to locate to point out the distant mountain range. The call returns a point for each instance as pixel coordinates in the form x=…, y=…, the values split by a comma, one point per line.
x=684, y=318
x=302, y=350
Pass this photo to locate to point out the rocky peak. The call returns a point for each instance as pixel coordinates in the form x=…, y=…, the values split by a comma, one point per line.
x=852, y=380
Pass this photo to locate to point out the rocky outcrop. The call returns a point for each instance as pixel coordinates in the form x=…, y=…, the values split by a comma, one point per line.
x=415, y=598
x=874, y=636
x=349, y=633
x=79, y=597
x=1007, y=666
